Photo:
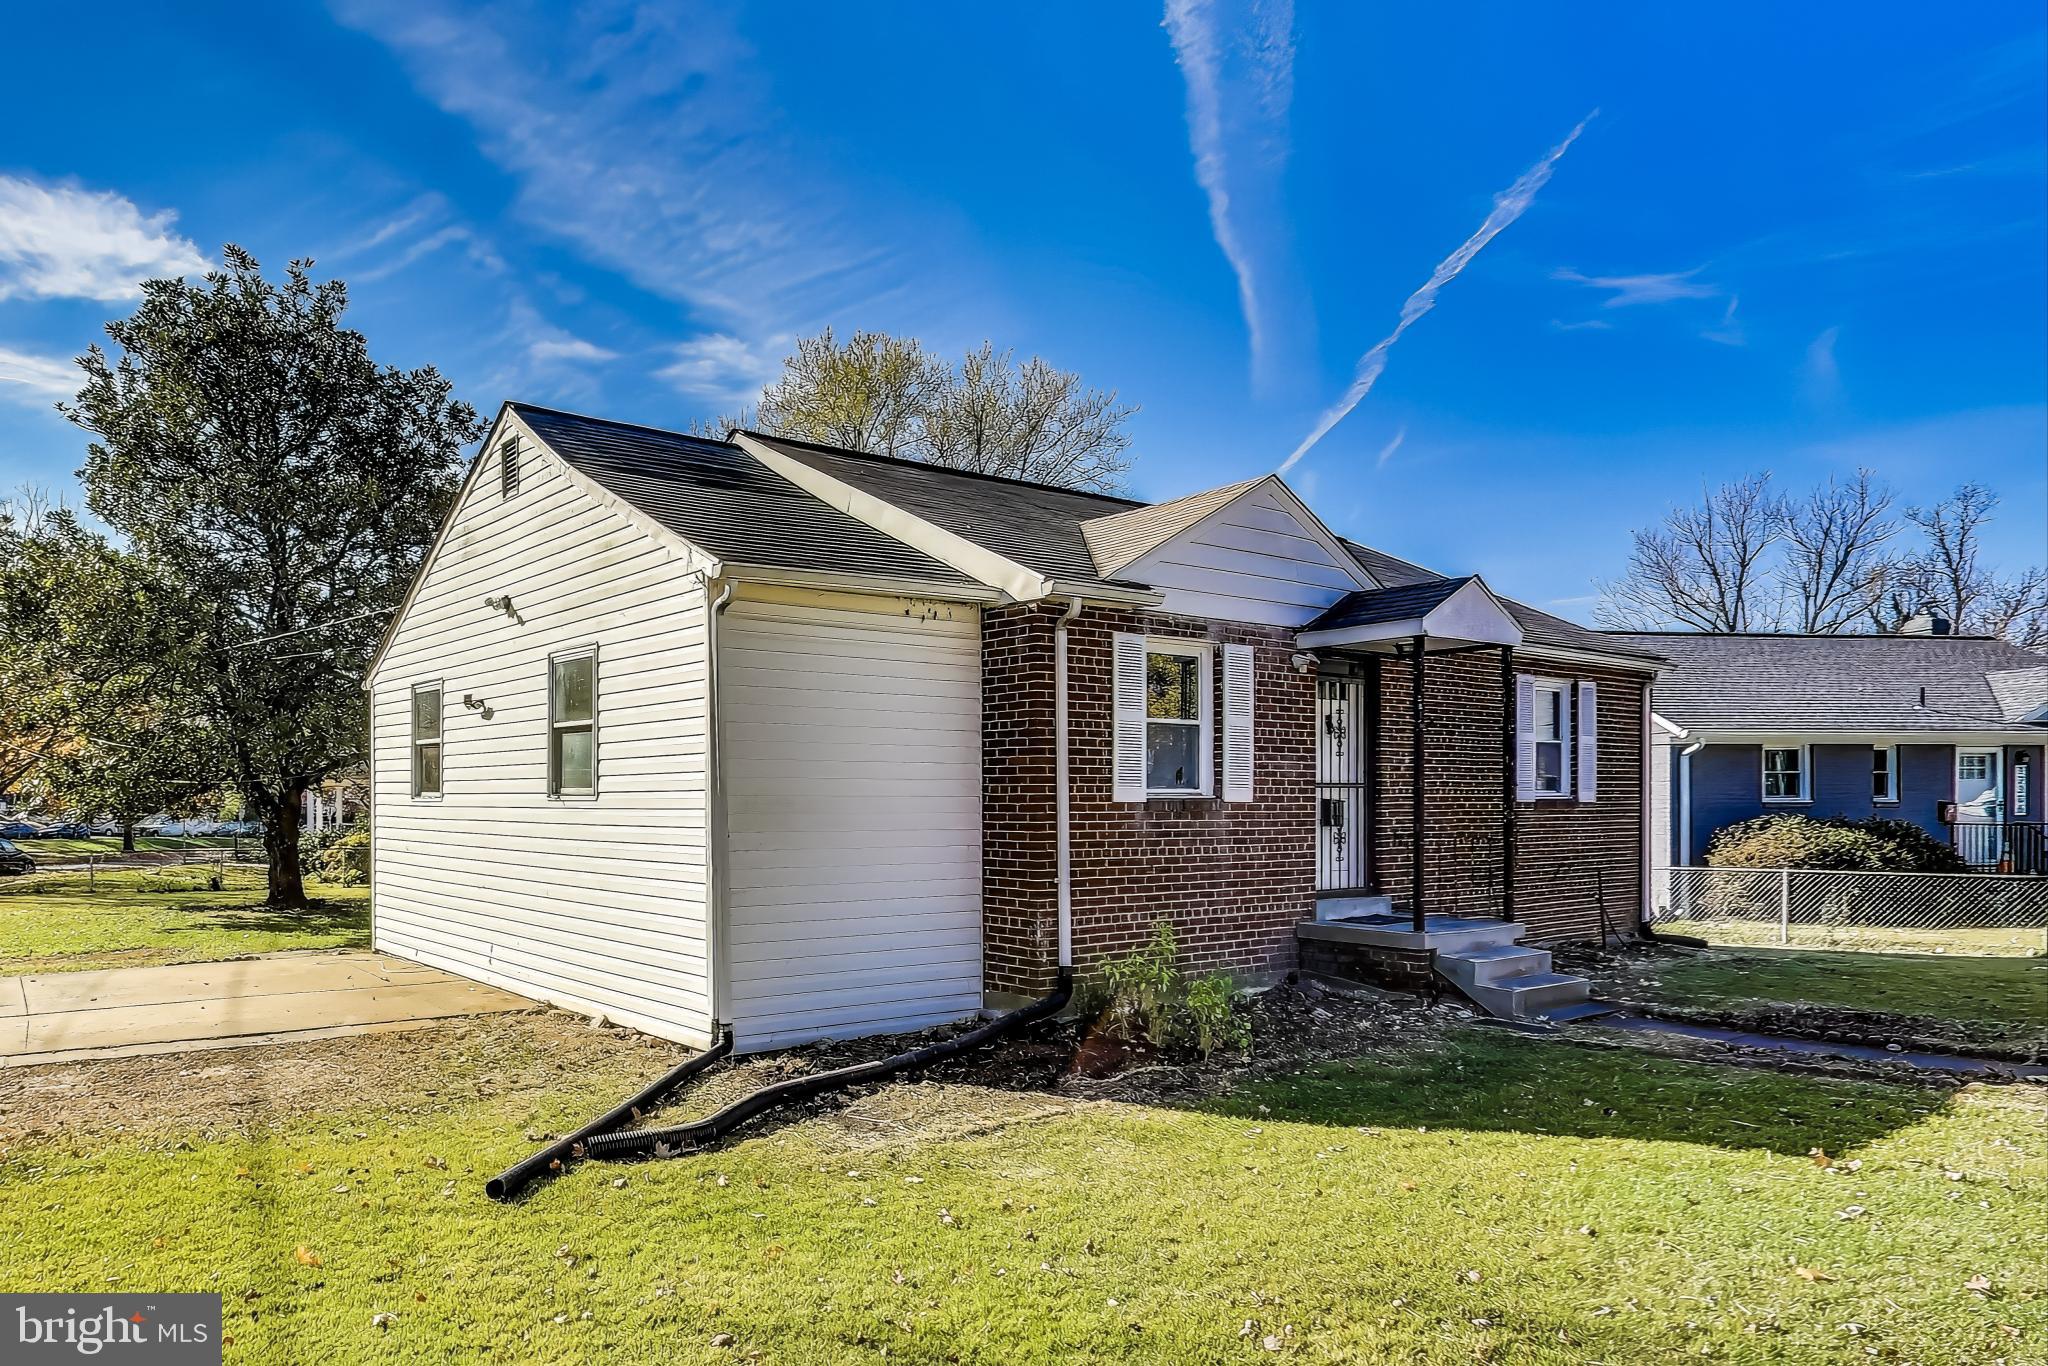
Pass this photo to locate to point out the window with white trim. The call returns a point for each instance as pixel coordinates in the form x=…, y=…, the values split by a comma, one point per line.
x=508, y=467
x=1177, y=741
x=572, y=724
x=426, y=740
x=1551, y=726
x=1884, y=773
x=1785, y=773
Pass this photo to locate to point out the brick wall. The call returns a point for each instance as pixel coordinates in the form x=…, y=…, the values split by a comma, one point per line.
x=1233, y=877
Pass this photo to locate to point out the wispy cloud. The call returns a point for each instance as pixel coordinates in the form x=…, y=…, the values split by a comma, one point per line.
x=722, y=368
x=1387, y=451
x=644, y=136
x=1729, y=331
x=1624, y=290
x=1510, y=205
x=423, y=227
x=62, y=241
x=1238, y=98
x=36, y=380
x=1822, y=373
x=1582, y=325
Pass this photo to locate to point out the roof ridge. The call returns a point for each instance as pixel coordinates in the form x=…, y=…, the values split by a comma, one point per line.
x=878, y=458
x=516, y=405
x=1797, y=635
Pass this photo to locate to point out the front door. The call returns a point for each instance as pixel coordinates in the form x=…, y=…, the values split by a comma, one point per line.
x=1340, y=785
x=1980, y=784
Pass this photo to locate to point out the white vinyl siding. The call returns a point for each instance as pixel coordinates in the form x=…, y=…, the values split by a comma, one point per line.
x=596, y=905
x=851, y=750
x=1252, y=560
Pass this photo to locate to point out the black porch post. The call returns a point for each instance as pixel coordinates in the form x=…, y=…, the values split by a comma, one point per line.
x=1510, y=756
x=1416, y=874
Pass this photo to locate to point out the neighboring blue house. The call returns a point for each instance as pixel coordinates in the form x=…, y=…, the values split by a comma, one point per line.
x=1896, y=726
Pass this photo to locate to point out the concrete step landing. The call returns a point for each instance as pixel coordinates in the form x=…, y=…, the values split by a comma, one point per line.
x=1512, y=982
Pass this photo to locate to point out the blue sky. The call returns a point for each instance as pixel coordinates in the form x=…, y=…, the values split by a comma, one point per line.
x=1794, y=238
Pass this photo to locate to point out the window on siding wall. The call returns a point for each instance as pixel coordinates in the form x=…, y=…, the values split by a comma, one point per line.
x=1785, y=773
x=1176, y=719
x=426, y=740
x=1553, y=731
x=1884, y=773
x=572, y=724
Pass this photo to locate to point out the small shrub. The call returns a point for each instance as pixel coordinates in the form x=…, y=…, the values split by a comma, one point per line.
x=1151, y=1002
x=1834, y=844
x=346, y=861
x=1213, y=1017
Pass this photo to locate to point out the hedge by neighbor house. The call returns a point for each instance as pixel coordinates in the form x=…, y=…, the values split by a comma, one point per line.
x=1834, y=843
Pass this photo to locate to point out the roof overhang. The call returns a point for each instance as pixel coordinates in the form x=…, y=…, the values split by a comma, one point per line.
x=1564, y=654
x=1962, y=735
x=1471, y=616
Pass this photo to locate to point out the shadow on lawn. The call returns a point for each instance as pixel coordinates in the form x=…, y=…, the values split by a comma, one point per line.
x=1509, y=1084
x=348, y=919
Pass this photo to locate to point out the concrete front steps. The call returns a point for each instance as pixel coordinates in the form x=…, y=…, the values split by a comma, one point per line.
x=1485, y=962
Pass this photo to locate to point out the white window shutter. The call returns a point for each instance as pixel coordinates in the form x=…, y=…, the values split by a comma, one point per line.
x=1237, y=723
x=1588, y=741
x=1128, y=702
x=1525, y=738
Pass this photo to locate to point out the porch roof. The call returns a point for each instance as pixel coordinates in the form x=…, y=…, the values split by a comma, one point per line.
x=1445, y=613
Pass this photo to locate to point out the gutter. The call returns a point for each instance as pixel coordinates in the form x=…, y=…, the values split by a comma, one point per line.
x=1061, y=797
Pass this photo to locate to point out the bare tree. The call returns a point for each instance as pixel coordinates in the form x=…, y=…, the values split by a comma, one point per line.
x=993, y=416
x=1834, y=568
x=1702, y=568
x=2016, y=609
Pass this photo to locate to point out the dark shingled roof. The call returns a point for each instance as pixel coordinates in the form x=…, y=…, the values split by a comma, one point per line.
x=1805, y=684
x=1539, y=629
x=1036, y=525
x=1377, y=605
x=715, y=495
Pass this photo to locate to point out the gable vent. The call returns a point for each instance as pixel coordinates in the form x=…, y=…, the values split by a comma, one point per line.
x=508, y=467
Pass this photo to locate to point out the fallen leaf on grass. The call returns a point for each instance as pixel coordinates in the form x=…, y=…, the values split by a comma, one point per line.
x=1979, y=1283
x=1807, y=1273
x=307, y=1257
x=1820, y=1157
x=381, y=1321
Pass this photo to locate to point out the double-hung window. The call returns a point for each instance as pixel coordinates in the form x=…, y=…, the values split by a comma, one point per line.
x=1785, y=773
x=1884, y=773
x=572, y=724
x=1177, y=742
x=1552, y=728
x=426, y=740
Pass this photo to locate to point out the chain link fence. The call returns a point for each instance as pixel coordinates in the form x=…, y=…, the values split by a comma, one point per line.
x=1961, y=913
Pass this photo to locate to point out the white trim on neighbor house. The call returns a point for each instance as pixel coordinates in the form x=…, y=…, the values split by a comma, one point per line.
x=1995, y=772
x=1967, y=739
x=1804, y=772
x=1890, y=795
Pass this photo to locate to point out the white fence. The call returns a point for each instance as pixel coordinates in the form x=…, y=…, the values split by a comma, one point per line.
x=1967, y=913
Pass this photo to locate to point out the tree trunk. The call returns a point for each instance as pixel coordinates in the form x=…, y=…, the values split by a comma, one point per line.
x=128, y=836
x=281, y=848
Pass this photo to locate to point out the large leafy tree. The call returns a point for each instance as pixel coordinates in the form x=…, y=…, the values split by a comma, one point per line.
x=283, y=488
x=990, y=414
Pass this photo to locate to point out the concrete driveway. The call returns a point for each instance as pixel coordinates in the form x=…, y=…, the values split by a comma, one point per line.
x=125, y=1012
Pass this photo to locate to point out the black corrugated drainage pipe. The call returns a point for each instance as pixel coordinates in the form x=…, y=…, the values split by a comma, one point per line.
x=680, y=1138
x=515, y=1178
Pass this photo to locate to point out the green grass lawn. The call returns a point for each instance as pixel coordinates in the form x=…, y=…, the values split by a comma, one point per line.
x=2020, y=943
x=1484, y=1198
x=2004, y=996
x=65, y=922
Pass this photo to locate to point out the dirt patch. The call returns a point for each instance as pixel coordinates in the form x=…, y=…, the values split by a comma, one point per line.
x=245, y=1089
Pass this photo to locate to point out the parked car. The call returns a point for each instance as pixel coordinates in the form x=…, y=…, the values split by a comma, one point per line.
x=14, y=860
x=66, y=830
x=18, y=830
x=106, y=827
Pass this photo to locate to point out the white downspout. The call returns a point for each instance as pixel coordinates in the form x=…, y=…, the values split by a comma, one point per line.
x=1064, y=840
x=714, y=796
x=1685, y=801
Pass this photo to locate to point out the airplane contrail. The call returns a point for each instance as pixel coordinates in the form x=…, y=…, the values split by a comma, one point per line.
x=1507, y=207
